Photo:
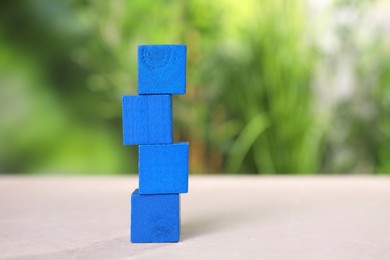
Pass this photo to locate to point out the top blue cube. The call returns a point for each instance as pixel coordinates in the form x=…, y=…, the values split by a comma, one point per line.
x=161, y=69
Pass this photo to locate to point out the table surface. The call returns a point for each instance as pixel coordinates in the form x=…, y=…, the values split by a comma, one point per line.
x=222, y=217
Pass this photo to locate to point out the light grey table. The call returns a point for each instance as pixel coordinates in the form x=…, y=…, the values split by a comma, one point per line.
x=228, y=217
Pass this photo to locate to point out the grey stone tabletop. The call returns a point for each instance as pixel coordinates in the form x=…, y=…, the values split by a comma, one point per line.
x=222, y=217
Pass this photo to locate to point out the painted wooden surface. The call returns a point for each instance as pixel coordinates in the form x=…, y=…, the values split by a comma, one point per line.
x=155, y=218
x=147, y=119
x=163, y=168
x=162, y=69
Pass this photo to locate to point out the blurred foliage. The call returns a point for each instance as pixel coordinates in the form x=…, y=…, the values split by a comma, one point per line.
x=359, y=141
x=251, y=103
x=264, y=88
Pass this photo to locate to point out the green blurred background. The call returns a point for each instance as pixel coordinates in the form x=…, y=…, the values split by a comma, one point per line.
x=273, y=86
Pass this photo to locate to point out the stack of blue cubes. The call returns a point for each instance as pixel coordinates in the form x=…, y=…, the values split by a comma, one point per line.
x=162, y=164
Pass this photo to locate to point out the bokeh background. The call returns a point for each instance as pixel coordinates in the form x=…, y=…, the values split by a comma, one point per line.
x=273, y=86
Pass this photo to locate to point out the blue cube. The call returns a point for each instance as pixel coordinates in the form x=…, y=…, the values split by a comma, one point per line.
x=163, y=168
x=155, y=218
x=162, y=69
x=147, y=119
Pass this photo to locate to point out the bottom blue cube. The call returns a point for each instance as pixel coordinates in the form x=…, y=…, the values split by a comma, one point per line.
x=155, y=218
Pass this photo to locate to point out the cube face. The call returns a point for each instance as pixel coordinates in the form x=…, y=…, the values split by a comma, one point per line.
x=147, y=119
x=162, y=69
x=163, y=168
x=155, y=218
